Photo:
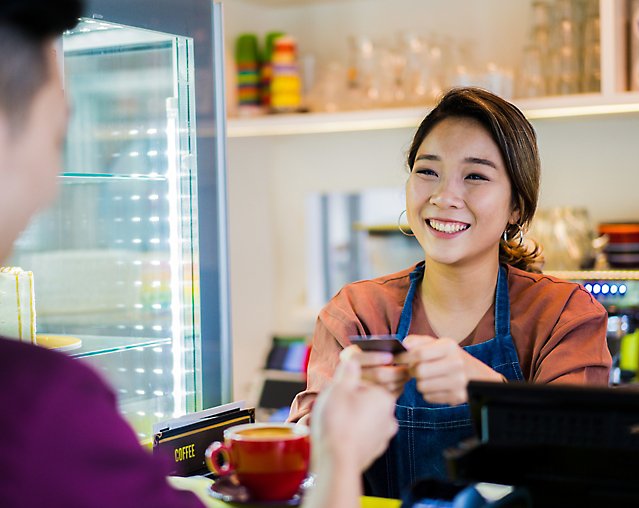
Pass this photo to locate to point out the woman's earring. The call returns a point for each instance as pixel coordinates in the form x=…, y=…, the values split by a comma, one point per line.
x=399, y=225
x=520, y=234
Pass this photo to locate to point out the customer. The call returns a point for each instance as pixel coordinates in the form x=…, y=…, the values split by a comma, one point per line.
x=474, y=309
x=352, y=424
x=62, y=441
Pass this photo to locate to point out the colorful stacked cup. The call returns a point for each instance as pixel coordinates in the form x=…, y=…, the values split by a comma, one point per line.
x=266, y=71
x=286, y=86
x=248, y=72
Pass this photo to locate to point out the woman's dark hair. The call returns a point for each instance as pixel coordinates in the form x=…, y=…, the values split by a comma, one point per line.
x=517, y=142
x=25, y=26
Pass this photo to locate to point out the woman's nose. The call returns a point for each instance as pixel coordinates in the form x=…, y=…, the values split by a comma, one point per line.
x=447, y=195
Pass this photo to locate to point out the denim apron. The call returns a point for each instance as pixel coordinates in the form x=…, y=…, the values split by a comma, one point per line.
x=426, y=430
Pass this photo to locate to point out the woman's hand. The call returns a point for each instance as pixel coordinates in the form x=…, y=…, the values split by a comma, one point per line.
x=378, y=368
x=443, y=369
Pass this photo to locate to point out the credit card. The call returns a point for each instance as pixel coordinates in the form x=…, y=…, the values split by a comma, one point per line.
x=385, y=345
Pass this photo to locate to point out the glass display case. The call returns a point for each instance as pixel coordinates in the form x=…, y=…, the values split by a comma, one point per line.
x=116, y=259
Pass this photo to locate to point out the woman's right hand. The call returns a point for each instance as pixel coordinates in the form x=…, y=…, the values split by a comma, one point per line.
x=378, y=368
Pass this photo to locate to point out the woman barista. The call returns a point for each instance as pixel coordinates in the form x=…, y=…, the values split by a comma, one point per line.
x=476, y=308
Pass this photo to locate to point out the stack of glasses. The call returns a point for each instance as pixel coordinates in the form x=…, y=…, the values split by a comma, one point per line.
x=563, y=54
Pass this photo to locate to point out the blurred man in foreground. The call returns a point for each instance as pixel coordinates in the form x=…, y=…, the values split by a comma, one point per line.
x=63, y=442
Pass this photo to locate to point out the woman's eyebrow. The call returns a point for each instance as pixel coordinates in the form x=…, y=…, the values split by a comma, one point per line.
x=479, y=160
x=471, y=160
x=428, y=157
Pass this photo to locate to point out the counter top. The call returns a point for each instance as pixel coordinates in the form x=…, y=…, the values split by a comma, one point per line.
x=200, y=485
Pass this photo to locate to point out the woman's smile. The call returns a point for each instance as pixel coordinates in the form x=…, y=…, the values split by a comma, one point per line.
x=442, y=228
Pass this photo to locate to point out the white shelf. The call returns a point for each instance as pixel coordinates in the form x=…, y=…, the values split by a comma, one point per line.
x=312, y=123
x=289, y=3
x=399, y=118
x=611, y=100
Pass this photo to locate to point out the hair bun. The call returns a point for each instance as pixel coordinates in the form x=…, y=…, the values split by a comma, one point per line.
x=41, y=18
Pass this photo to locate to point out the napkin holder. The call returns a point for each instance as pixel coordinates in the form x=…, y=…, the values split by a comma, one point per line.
x=184, y=440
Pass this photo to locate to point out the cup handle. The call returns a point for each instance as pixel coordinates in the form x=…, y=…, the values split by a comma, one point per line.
x=212, y=456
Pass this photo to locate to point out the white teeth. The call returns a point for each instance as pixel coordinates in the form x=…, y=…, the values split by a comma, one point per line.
x=447, y=227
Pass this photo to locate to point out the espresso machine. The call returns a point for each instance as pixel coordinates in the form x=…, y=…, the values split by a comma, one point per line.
x=618, y=292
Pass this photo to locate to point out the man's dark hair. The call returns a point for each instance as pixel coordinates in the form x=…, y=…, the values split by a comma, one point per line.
x=25, y=26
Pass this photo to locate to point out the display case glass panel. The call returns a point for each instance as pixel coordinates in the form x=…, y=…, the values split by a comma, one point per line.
x=115, y=258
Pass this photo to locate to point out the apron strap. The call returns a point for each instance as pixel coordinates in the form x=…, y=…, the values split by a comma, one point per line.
x=407, y=311
x=502, y=305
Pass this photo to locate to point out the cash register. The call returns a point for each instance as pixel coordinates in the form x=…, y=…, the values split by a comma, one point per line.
x=544, y=446
x=565, y=445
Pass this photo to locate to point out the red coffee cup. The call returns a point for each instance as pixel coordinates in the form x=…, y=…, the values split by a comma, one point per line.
x=270, y=459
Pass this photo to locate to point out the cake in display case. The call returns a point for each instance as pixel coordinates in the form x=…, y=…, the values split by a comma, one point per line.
x=116, y=258
x=17, y=306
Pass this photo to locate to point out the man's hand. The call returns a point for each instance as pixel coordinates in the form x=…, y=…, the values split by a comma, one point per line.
x=353, y=420
x=378, y=368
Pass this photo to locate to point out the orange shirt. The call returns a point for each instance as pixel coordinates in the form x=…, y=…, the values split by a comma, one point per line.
x=558, y=328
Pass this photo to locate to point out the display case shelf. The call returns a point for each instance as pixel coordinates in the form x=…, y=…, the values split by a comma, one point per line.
x=100, y=345
x=72, y=177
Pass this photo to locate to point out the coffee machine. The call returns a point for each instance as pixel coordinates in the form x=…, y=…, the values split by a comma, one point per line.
x=618, y=292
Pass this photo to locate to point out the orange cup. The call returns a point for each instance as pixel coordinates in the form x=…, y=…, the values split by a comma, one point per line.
x=270, y=459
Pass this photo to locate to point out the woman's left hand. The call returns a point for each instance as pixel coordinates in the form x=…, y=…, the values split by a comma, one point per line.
x=443, y=369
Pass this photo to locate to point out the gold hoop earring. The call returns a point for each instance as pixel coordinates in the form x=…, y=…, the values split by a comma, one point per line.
x=399, y=225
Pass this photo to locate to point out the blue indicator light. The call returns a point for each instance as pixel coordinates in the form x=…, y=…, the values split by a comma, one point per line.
x=589, y=288
x=622, y=289
x=596, y=289
x=604, y=289
x=613, y=289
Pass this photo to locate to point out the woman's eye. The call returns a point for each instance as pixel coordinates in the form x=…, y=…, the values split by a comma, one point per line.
x=425, y=172
x=476, y=176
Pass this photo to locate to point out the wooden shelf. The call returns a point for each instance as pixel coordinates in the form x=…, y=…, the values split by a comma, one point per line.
x=595, y=275
x=381, y=229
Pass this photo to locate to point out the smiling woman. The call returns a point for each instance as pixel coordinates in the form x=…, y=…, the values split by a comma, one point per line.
x=477, y=307
x=458, y=196
x=511, y=136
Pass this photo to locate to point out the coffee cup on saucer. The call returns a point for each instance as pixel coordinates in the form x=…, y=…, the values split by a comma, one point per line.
x=270, y=459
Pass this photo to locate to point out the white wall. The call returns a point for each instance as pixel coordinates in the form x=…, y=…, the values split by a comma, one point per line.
x=269, y=178
x=589, y=162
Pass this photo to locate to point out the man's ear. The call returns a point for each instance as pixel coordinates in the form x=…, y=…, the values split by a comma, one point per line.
x=4, y=140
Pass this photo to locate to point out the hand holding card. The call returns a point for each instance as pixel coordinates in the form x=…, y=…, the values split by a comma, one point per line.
x=384, y=343
x=375, y=354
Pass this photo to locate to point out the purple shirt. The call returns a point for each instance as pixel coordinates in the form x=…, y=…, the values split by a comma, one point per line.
x=63, y=443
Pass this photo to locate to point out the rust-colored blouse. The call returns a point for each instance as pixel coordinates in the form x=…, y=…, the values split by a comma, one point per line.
x=558, y=328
